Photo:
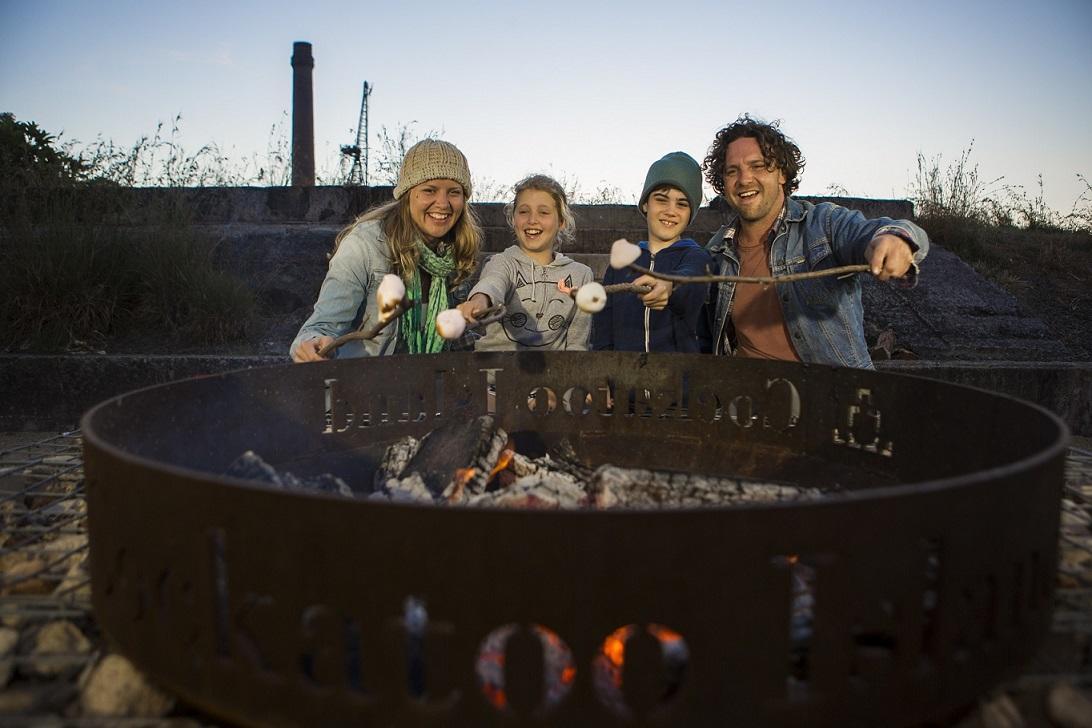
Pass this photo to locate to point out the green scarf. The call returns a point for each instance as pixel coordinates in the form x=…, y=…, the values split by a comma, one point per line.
x=418, y=324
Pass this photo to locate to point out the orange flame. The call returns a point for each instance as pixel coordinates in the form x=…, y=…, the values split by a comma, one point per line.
x=502, y=462
x=462, y=477
x=614, y=646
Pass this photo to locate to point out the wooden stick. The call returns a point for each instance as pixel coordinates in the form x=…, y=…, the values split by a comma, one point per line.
x=368, y=334
x=625, y=288
x=487, y=316
x=845, y=270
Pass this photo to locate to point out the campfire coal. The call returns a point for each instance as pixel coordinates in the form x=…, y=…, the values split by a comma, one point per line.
x=475, y=464
x=909, y=571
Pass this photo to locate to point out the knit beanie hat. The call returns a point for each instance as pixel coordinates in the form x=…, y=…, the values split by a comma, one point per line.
x=677, y=169
x=432, y=159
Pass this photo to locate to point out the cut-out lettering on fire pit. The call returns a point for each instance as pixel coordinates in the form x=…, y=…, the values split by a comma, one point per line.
x=533, y=538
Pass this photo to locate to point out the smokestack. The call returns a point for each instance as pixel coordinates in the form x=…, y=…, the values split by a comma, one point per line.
x=303, y=116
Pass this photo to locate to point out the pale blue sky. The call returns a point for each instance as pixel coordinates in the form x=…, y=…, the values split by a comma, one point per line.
x=589, y=91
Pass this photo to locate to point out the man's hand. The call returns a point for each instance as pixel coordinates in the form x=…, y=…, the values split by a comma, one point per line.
x=473, y=306
x=889, y=256
x=309, y=350
x=655, y=299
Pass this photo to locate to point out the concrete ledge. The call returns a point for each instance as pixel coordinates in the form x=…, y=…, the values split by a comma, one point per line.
x=333, y=206
x=1064, y=388
x=50, y=393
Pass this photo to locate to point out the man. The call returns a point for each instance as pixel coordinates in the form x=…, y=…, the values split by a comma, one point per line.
x=756, y=169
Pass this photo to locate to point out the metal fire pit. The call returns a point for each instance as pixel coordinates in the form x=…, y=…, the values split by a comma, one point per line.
x=932, y=577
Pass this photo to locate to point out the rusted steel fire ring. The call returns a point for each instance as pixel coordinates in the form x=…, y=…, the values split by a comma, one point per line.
x=932, y=580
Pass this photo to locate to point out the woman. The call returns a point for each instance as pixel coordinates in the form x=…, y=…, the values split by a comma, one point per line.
x=427, y=235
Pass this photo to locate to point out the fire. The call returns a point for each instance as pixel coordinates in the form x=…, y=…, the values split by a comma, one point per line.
x=502, y=462
x=462, y=477
x=664, y=634
x=614, y=646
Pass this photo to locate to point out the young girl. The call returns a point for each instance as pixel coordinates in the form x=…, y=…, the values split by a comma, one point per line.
x=531, y=278
x=427, y=235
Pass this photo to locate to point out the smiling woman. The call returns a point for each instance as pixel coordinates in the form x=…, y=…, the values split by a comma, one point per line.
x=427, y=235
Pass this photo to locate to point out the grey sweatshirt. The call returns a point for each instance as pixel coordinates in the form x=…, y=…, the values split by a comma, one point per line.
x=539, y=315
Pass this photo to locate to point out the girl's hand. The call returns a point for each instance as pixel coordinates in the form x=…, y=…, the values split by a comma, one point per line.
x=474, y=306
x=309, y=350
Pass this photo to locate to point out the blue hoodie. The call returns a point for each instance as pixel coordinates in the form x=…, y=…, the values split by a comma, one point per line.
x=626, y=324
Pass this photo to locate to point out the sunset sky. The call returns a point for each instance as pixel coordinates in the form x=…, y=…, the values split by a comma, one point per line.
x=589, y=92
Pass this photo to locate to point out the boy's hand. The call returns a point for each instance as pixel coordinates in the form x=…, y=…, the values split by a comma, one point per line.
x=655, y=299
x=473, y=306
x=889, y=255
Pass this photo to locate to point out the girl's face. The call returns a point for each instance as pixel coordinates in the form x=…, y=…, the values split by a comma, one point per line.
x=435, y=206
x=536, y=221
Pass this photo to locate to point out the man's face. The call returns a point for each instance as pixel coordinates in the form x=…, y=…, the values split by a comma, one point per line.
x=752, y=185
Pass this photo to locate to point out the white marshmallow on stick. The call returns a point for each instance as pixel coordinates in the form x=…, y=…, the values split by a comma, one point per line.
x=450, y=324
x=591, y=297
x=390, y=293
x=623, y=253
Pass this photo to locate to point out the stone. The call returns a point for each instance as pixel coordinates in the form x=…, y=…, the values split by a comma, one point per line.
x=9, y=639
x=1068, y=708
x=57, y=647
x=116, y=689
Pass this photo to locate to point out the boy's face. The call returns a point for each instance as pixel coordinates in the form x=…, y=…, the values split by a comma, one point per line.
x=752, y=185
x=668, y=213
x=536, y=221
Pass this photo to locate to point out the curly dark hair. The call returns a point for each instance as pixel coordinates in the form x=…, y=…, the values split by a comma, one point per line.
x=780, y=151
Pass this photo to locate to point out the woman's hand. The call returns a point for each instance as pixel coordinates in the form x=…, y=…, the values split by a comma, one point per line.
x=309, y=350
x=473, y=306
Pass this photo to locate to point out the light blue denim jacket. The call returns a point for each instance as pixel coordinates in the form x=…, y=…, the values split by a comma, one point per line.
x=347, y=296
x=824, y=316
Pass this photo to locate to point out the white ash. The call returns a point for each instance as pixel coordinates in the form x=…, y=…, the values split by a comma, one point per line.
x=410, y=488
x=250, y=466
x=395, y=459
x=541, y=490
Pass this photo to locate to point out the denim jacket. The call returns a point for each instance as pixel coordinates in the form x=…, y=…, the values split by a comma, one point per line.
x=824, y=316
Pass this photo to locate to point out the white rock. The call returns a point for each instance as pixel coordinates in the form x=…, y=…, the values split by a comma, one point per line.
x=450, y=324
x=623, y=252
x=591, y=297
x=58, y=646
x=390, y=293
x=117, y=689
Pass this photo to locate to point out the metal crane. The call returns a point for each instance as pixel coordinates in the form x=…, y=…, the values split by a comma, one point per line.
x=358, y=152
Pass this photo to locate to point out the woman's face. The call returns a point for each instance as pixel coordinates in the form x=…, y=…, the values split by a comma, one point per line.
x=435, y=206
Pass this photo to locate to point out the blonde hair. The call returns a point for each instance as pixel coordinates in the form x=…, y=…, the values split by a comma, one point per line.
x=402, y=235
x=566, y=233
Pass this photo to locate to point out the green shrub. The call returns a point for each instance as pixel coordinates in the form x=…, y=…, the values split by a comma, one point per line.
x=70, y=286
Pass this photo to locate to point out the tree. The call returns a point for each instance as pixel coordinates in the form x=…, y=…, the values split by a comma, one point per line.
x=30, y=158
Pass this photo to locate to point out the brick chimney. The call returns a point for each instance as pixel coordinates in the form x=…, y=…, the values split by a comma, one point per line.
x=303, y=116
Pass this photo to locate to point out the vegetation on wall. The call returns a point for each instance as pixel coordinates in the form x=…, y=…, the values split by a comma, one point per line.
x=72, y=284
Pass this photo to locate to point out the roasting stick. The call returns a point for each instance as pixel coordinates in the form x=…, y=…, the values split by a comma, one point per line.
x=844, y=270
x=487, y=316
x=623, y=254
x=390, y=299
x=369, y=333
x=451, y=324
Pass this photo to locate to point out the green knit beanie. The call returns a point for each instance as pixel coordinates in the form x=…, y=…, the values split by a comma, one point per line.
x=677, y=169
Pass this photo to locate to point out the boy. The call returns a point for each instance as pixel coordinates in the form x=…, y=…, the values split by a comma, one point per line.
x=669, y=201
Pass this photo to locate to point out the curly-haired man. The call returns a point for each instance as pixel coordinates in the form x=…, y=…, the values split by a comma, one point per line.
x=756, y=168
